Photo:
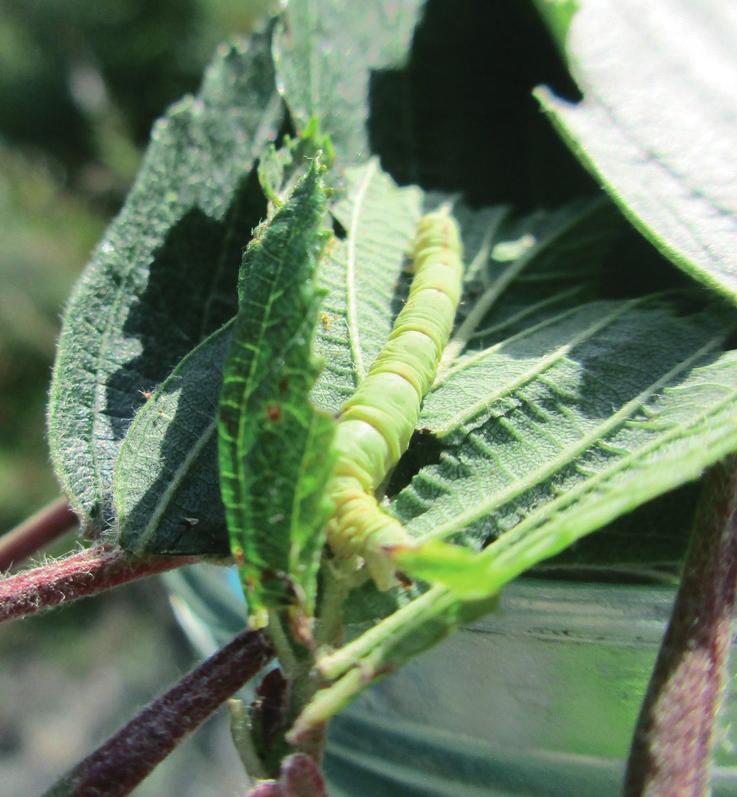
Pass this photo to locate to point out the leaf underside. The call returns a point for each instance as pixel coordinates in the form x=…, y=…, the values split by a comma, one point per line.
x=657, y=122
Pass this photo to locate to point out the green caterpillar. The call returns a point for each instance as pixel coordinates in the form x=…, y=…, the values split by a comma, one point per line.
x=376, y=423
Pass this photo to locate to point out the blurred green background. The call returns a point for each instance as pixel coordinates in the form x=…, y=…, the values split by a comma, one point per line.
x=80, y=85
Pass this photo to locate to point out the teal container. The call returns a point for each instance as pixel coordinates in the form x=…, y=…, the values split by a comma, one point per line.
x=539, y=698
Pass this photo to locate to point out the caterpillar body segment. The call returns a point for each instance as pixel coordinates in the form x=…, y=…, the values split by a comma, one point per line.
x=375, y=425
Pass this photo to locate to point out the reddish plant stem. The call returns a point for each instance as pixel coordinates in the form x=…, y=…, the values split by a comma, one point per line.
x=124, y=760
x=299, y=777
x=77, y=576
x=32, y=534
x=671, y=748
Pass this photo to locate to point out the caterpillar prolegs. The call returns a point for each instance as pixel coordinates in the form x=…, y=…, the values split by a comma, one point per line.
x=376, y=423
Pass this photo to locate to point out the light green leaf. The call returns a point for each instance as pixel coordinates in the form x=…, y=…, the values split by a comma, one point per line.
x=657, y=123
x=450, y=565
x=362, y=274
x=163, y=276
x=273, y=449
x=325, y=51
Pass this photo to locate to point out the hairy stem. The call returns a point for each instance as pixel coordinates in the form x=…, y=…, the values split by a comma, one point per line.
x=32, y=534
x=671, y=748
x=77, y=576
x=121, y=763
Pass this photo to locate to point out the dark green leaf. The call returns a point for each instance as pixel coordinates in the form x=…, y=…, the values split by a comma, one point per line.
x=324, y=52
x=166, y=487
x=634, y=405
x=274, y=445
x=163, y=277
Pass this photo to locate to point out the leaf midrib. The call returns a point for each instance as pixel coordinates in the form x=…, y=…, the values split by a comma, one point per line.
x=352, y=321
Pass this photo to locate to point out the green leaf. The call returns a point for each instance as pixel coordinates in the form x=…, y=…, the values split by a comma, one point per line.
x=280, y=169
x=557, y=15
x=274, y=461
x=577, y=422
x=166, y=487
x=163, y=276
x=363, y=275
x=657, y=125
x=646, y=545
x=438, y=562
x=325, y=51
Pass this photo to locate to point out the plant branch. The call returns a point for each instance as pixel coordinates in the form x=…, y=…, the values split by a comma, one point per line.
x=77, y=576
x=671, y=748
x=39, y=530
x=121, y=763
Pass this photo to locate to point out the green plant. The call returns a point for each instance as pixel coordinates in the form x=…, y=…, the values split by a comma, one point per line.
x=583, y=377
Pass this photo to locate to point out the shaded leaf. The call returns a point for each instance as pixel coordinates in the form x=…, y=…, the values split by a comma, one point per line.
x=324, y=51
x=274, y=460
x=166, y=486
x=657, y=122
x=163, y=277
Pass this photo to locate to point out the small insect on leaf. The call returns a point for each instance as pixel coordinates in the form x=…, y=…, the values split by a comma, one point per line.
x=273, y=412
x=325, y=320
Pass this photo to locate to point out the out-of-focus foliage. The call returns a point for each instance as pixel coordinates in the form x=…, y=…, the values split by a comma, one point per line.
x=47, y=235
x=80, y=84
x=68, y=66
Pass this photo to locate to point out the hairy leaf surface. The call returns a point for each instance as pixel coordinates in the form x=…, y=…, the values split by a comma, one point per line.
x=519, y=271
x=274, y=445
x=614, y=403
x=167, y=493
x=657, y=122
x=166, y=485
x=324, y=52
x=163, y=277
